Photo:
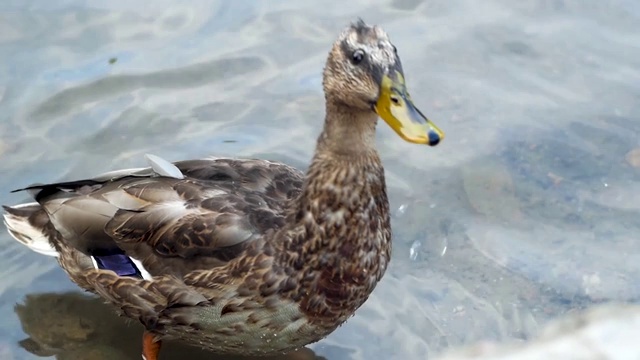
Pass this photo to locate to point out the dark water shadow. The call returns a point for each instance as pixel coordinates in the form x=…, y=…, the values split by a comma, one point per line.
x=73, y=325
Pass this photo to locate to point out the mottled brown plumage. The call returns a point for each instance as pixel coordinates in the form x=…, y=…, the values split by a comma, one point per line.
x=242, y=256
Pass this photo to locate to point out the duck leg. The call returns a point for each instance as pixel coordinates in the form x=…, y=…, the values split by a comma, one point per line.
x=150, y=346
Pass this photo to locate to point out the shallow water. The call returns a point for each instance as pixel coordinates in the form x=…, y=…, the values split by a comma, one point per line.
x=527, y=210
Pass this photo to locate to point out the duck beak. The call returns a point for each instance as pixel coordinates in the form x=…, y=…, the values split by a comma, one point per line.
x=394, y=106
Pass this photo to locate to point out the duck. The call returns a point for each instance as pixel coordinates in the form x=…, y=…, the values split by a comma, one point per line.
x=242, y=256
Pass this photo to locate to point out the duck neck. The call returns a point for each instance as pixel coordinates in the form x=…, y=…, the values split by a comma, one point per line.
x=347, y=133
x=339, y=234
x=345, y=187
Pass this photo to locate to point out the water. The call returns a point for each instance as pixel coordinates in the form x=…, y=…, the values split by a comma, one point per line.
x=527, y=210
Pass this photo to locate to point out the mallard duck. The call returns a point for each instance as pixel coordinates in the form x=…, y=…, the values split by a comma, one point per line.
x=242, y=256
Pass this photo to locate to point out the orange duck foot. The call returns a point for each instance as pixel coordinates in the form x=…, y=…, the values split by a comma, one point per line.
x=150, y=346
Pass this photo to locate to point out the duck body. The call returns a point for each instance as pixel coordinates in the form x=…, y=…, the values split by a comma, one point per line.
x=242, y=256
x=248, y=274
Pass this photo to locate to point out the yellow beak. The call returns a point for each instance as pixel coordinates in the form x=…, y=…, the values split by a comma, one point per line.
x=394, y=106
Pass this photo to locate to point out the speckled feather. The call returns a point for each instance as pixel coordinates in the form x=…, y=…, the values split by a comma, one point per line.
x=239, y=250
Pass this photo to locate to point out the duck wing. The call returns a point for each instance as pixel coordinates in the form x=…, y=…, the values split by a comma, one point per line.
x=173, y=218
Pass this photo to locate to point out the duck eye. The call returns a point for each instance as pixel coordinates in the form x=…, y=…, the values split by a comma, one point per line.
x=357, y=56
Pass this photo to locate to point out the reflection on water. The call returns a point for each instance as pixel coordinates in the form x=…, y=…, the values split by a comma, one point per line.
x=77, y=326
x=527, y=210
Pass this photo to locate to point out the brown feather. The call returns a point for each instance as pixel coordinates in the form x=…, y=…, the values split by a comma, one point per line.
x=240, y=250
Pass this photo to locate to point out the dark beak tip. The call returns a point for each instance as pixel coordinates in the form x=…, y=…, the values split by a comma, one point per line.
x=434, y=138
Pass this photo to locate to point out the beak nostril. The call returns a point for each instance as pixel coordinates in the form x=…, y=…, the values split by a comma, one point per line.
x=395, y=100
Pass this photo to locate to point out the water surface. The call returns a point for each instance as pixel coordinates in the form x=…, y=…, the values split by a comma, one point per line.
x=528, y=209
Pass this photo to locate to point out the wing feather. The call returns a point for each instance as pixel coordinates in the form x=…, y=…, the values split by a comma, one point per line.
x=171, y=224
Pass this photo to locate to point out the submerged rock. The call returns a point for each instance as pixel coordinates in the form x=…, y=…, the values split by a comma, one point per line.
x=633, y=158
x=607, y=332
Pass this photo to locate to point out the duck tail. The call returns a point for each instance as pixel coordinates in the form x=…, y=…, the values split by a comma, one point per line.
x=27, y=224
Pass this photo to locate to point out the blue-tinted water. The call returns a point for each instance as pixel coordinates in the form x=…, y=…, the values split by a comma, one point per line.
x=528, y=209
